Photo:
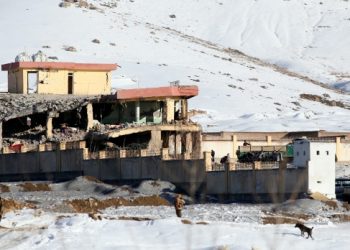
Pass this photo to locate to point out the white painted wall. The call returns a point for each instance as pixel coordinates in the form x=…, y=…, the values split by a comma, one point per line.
x=322, y=168
x=301, y=153
x=320, y=159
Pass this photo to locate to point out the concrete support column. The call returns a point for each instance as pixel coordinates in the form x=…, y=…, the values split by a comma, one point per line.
x=207, y=161
x=189, y=143
x=49, y=127
x=184, y=109
x=171, y=145
x=137, y=111
x=188, y=146
x=178, y=144
x=90, y=116
x=156, y=140
x=234, y=147
x=268, y=140
x=169, y=110
x=196, y=142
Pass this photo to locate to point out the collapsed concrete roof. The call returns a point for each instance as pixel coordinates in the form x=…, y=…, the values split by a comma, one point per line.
x=186, y=91
x=17, y=105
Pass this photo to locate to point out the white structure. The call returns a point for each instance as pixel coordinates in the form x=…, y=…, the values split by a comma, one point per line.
x=319, y=157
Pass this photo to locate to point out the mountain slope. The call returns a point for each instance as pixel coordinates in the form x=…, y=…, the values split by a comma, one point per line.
x=237, y=92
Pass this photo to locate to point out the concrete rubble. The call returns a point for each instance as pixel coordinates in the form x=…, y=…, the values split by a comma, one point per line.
x=14, y=106
x=18, y=105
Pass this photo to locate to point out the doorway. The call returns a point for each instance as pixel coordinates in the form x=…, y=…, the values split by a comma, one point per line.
x=32, y=82
x=70, y=83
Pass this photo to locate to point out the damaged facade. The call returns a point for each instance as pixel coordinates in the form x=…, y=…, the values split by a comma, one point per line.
x=78, y=106
x=151, y=118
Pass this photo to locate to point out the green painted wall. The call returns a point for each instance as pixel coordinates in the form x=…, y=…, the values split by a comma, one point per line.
x=150, y=112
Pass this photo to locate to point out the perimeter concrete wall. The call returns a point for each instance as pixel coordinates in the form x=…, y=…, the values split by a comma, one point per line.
x=274, y=182
x=187, y=174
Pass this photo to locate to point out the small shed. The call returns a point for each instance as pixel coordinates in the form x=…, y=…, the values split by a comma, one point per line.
x=319, y=157
x=59, y=78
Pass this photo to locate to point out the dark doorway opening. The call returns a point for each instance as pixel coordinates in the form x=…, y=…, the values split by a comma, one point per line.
x=70, y=83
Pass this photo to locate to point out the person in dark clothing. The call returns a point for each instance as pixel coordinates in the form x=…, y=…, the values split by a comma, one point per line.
x=245, y=143
x=225, y=159
x=212, y=153
x=179, y=204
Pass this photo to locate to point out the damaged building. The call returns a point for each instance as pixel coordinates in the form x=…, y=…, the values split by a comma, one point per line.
x=129, y=119
x=153, y=119
x=59, y=78
x=58, y=102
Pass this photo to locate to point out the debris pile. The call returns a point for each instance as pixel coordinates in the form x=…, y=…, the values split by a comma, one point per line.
x=33, y=187
x=9, y=205
x=18, y=105
x=92, y=205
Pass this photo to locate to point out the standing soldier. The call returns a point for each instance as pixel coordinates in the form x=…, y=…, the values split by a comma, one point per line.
x=179, y=204
x=212, y=153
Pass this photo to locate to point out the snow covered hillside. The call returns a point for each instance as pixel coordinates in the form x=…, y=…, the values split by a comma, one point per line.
x=196, y=42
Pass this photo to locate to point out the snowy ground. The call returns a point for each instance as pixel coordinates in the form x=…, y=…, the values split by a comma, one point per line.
x=237, y=92
x=54, y=225
x=29, y=230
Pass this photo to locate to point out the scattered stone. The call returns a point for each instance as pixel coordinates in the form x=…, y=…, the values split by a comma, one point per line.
x=232, y=86
x=83, y=4
x=95, y=216
x=202, y=223
x=46, y=47
x=110, y=4
x=112, y=44
x=296, y=104
x=92, y=7
x=64, y=4
x=55, y=58
x=317, y=98
x=172, y=16
x=187, y=222
x=70, y=48
x=134, y=218
x=96, y=41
